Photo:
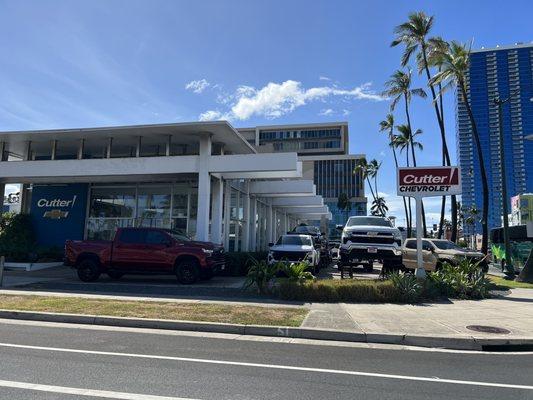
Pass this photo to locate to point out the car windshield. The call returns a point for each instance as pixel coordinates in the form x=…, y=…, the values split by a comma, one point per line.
x=295, y=240
x=179, y=235
x=446, y=245
x=375, y=221
x=312, y=230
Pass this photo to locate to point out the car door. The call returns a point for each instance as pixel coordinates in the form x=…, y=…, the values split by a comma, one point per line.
x=428, y=256
x=128, y=249
x=157, y=254
x=409, y=254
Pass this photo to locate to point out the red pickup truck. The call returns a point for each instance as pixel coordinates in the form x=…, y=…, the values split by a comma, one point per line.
x=145, y=251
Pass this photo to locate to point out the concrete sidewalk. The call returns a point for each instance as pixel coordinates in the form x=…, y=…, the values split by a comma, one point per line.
x=511, y=311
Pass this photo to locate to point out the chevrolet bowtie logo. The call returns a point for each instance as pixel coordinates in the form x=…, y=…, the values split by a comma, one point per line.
x=55, y=214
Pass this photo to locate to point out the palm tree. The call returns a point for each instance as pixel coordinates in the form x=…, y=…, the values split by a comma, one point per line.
x=413, y=34
x=363, y=168
x=405, y=141
x=379, y=207
x=455, y=63
x=373, y=168
x=398, y=88
x=387, y=125
x=343, y=203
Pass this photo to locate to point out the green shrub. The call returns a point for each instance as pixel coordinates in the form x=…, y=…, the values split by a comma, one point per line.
x=349, y=291
x=238, y=263
x=407, y=285
x=17, y=237
x=465, y=280
x=261, y=275
x=297, y=272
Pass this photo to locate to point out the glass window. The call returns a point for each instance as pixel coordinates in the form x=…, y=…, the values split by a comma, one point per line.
x=156, y=237
x=295, y=240
x=410, y=244
x=132, y=236
x=112, y=202
x=154, y=207
x=376, y=221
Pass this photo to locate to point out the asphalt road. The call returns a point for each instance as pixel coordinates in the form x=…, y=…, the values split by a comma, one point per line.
x=58, y=361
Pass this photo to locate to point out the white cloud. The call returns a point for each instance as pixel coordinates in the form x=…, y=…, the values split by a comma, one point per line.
x=345, y=112
x=325, y=112
x=211, y=115
x=277, y=99
x=197, y=86
x=11, y=188
x=324, y=78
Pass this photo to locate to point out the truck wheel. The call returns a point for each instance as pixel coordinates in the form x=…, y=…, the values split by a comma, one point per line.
x=115, y=275
x=88, y=270
x=187, y=272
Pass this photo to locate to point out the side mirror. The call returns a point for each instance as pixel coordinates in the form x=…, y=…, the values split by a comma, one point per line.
x=270, y=244
x=339, y=227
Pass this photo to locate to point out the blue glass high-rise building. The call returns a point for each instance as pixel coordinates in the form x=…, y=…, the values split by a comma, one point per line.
x=502, y=72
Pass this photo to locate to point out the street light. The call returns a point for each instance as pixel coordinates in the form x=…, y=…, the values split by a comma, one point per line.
x=509, y=269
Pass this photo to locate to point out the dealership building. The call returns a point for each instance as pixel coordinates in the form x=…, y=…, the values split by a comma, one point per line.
x=203, y=178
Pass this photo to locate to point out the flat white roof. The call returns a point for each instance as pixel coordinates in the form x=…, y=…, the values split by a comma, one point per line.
x=293, y=126
x=185, y=132
x=506, y=47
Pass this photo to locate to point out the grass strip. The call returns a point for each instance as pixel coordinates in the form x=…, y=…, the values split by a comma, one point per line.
x=503, y=284
x=232, y=314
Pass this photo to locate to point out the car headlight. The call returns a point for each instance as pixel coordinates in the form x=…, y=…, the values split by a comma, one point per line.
x=271, y=254
x=310, y=255
x=398, y=236
x=208, y=252
x=344, y=235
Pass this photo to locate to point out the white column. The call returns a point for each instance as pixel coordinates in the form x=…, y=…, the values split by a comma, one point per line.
x=253, y=226
x=216, y=209
x=420, y=272
x=269, y=230
x=227, y=210
x=246, y=211
x=274, y=225
x=204, y=189
x=54, y=150
x=81, y=148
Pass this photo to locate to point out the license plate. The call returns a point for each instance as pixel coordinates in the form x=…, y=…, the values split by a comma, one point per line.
x=372, y=250
x=372, y=233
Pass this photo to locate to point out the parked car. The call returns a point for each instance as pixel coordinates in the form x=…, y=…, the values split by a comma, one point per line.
x=145, y=251
x=435, y=252
x=319, y=240
x=295, y=248
x=368, y=239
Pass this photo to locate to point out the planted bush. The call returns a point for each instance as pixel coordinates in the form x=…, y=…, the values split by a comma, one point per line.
x=465, y=280
x=297, y=272
x=407, y=285
x=261, y=275
x=238, y=263
x=17, y=237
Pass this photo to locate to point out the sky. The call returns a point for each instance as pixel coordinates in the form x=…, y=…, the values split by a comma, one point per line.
x=68, y=64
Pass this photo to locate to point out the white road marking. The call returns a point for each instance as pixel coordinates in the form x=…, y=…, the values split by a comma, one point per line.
x=85, y=392
x=273, y=366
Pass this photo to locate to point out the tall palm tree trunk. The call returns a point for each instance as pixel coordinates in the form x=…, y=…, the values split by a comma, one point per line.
x=484, y=181
x=403, y=197
x=410, y=225
x=414, y=159
x=439, y=112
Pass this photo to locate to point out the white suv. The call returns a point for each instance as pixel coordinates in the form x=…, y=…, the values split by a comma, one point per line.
x=294, y=248
x=367, y=239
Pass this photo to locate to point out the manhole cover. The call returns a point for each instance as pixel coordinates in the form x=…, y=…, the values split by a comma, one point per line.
x=488, y=329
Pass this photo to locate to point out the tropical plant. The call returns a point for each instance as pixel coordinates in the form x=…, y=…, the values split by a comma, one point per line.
x=379, y=207
x=398, y=87
x=454, y=63
x=362, y=167
x=414, y=35
x=464, y=280
x=343, y=202
x=387, y=125
x=261, y=275
x=297, y=272
x=407, y=285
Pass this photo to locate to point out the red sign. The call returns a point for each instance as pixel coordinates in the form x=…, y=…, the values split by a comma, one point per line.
x=428, y=181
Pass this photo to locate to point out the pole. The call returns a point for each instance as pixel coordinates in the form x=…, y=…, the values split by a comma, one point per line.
x=2, y=261
x=509, y=269
x=420, y=271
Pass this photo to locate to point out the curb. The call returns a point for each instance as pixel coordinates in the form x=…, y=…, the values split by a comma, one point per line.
x=445, y=342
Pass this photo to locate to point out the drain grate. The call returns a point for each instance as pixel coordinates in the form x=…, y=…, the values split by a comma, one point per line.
x=488, y=329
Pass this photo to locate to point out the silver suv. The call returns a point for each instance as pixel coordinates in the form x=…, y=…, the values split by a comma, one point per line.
x=367, y=239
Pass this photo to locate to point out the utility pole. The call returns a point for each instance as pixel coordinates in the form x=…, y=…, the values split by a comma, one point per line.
x=509, y=269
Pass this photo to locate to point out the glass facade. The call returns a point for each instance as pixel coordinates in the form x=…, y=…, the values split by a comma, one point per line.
x=333, y=177
x=504, y=73
x=159, y=206
x=302, y=139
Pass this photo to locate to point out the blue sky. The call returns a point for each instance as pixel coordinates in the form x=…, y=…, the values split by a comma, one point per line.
x=93, y=63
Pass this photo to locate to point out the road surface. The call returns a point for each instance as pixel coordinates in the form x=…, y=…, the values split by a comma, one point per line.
x=60, y=361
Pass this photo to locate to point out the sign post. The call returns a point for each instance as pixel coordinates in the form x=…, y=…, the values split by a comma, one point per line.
x=420, y=182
